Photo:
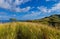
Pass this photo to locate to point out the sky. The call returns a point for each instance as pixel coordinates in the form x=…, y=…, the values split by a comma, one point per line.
x=28, y=9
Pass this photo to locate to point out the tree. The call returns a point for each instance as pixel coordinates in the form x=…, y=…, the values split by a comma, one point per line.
x=13, y=19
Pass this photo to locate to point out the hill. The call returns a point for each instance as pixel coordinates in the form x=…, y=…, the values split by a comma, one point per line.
x=28, y=30
x=53, y=20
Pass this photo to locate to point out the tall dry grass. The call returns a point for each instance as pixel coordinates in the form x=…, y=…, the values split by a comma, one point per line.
x=26, y=30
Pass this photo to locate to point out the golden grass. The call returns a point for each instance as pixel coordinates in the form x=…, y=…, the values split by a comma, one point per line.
x=28, y=30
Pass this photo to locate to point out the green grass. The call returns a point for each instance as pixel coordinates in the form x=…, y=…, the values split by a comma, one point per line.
x=27, y=30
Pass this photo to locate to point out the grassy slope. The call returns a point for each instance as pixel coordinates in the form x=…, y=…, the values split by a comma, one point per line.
x=27, y=30
x=53, y=20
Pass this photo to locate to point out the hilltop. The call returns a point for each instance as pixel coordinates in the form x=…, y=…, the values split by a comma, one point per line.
x=53, y=20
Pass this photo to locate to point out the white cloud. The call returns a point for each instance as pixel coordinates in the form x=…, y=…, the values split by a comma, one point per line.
x=52, y=0
x=54, y=8
x=4, y=4
x=11, y=4
x=18, y=2
x=22, y=9
x=43, y=9
x=32, y=15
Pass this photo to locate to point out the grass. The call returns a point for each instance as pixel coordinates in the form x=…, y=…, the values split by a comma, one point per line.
x=27, y=30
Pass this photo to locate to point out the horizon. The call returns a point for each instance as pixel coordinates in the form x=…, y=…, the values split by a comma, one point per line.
x=28, y=9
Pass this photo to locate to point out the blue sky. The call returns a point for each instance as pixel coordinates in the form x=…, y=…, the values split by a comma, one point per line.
x=28, y=9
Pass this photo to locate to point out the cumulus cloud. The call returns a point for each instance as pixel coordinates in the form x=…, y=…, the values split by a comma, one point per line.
x=11, y=4
x=22, y=9
x=52, y=0
x=4, y=4
x=54, y=8
x=43, y=9
x=32, y=15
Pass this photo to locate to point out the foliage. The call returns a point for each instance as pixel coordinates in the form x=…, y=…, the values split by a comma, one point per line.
x=13, y=19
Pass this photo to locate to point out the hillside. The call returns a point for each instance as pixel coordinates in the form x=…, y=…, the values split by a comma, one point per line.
x=27, y=30
x=53, y=20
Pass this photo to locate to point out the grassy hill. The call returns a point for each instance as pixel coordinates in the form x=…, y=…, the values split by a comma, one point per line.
x=53, y=20
x=28, y=30
x=31, y=29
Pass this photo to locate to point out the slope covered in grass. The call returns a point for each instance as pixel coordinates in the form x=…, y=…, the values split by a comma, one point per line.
x=27, y=30
x=53, y=20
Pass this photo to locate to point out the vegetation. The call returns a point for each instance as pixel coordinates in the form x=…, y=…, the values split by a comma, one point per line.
x=45, y=28
x=27, y=30
x=13, y=19
x=53, y=20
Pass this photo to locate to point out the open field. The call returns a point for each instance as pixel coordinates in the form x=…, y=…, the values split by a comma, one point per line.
x=27, y=30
